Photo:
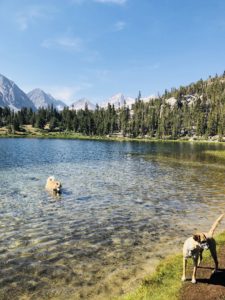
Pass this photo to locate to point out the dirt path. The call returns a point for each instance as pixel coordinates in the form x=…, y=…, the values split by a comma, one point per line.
x=209, y=286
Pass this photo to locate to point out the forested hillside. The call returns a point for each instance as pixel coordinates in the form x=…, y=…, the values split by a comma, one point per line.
x=194, y=110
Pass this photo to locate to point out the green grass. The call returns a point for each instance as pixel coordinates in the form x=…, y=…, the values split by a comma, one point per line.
x=220, y=239
x=32, y=132
x=165, y=283
x=38, y=133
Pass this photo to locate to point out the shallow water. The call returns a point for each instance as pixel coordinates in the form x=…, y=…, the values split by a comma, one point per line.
x=123, y=207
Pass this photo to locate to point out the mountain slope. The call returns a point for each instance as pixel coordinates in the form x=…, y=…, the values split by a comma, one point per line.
x=118, y=100
x=41, y=99
x=12, y=96
x=80, y=104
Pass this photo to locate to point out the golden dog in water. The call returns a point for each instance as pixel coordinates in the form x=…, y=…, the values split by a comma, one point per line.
x=53, y=185
x=195, y=245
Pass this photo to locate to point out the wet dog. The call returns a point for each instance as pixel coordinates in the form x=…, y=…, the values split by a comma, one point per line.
x=53, y=186
x=194, y=247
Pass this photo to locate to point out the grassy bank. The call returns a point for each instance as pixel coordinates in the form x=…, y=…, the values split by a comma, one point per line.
x=165, y=283
x=31, y=132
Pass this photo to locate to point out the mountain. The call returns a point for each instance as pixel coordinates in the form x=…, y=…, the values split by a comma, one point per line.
x=12, y=96
x=130, y=101
x=171, y=101
x=41, y=99
x=147, y=99
x=80, y=104
x=185, y=99
x=118, y=101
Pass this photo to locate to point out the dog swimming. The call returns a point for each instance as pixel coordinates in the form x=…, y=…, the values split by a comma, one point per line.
x=53, y=185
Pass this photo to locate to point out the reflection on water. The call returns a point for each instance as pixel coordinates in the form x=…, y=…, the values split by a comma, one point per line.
x=123, y=207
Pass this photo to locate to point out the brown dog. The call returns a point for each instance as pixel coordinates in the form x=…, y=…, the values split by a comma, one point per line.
x=194, y=246
x=53, y=185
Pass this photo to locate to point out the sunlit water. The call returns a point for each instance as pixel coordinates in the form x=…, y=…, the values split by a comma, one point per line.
x=123, y=207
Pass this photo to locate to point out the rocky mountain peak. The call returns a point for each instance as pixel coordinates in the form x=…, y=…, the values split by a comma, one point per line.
x=12, y=96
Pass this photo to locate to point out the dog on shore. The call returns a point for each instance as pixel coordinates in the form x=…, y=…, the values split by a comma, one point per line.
x=52, y=185
x=194, y=247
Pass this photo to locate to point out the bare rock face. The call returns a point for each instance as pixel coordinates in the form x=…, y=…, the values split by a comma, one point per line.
x=12, y=96
x=42, y=99
x=81, y=103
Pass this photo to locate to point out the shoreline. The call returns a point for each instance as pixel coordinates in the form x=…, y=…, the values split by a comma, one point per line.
x=165, y=282
x=151, y=279
x=76, y=136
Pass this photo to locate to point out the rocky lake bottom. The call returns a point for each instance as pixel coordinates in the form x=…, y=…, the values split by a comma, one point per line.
x=123, y=207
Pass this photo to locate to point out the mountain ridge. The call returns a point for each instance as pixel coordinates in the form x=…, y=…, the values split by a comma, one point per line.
x=81, y=103
x=12, y=96
x=196, y=110
x=42, y=99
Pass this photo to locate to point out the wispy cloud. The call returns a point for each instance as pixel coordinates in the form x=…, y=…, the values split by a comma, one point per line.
x=120, y=25
x=91, y=56
x=77, y=1
x=67, y=93
x=68, y=43
x=118, y=2
x=30, y=15
x=141, y=66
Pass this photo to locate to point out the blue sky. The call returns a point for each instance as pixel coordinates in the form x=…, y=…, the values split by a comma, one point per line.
x=97, y=48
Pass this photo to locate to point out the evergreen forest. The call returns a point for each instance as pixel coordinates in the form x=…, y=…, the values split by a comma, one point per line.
x=195, y=110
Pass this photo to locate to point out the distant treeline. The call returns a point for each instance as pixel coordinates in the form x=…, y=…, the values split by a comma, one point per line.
x=199, y=110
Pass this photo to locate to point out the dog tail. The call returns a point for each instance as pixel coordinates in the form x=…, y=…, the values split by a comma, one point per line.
x=215, y=224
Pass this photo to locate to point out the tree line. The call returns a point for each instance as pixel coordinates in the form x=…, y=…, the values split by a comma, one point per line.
x=199, y=109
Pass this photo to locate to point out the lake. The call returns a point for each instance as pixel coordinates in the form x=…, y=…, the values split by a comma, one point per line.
x=124, y=206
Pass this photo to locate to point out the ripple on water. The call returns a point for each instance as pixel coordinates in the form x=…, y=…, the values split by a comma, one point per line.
x=119, y=213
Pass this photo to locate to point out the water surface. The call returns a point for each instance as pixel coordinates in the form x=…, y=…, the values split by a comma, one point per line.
x=123, y=207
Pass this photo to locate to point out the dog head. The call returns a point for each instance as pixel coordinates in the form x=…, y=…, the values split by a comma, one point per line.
x=53, y=185
x=201, y=239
